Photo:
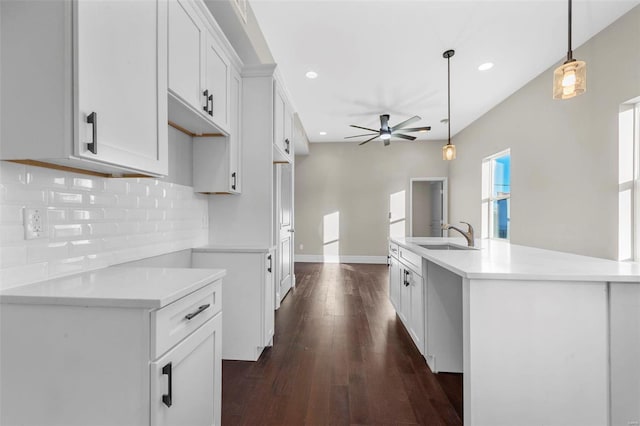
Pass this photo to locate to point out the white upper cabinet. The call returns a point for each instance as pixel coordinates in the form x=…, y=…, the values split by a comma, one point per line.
x=217, y=160
x=282, y=127
x=199, y=71
x=185, y=53
x=91, y=93
x=216, y=82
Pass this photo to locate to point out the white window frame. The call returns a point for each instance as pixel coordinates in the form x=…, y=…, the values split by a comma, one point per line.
x=487, y=197
x=629, y=186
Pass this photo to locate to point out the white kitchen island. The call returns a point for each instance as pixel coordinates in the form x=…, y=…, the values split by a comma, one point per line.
x=542, y=337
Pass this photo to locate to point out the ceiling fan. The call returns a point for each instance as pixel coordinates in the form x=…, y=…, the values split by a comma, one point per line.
x=386, y=132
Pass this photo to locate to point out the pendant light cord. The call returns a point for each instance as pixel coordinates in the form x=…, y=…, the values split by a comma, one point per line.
x=569, y=51
x=449, y=98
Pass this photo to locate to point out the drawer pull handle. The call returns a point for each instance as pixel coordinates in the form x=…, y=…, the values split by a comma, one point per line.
x=270, y=268
x=198, y=312
x=166, y=398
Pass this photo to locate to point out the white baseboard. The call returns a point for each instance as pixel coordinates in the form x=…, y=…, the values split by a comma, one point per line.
x=319, y=258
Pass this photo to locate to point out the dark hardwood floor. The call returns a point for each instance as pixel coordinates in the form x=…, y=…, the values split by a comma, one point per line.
x=341, y=357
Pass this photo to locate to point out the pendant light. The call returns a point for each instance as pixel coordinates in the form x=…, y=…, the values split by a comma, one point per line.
x=570, y=78
x=449, y=150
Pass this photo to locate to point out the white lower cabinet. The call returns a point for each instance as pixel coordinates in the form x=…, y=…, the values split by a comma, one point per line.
x=181, y=381
x=249, y=298
x=113, y=365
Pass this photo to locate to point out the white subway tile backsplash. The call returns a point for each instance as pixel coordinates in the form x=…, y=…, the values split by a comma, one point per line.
x=86, y=184
x=67, y=232
x=96, y=199
x=12, y=256
x=86, y=214
x=13, y=173
x=11, y=214
x=147, y=203
x=44, y=252
x=22, y=194
x=93, y=222
x=84, y=247
x=62, y=198
x=116, y=186
x=11, y=234
x=57, y=215
x=115, y=214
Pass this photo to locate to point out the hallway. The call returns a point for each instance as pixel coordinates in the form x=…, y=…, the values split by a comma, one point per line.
x=341, y=357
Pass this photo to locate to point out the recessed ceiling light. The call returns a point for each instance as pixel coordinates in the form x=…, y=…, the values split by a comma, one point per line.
x=486, y=66
x=323, y=133
x=311, y=75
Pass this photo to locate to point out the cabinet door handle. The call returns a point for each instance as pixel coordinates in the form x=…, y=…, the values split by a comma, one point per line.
x=210, y=101
x=206, y=100
x=270, y=268
x=233, y=178
x=196, y=313
x=288, y=143
x=406, y=281
x=166, y=398
x=93, y=120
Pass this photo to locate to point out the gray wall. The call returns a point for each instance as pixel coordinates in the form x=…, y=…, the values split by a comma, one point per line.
x=357, y=181
x=564, y=153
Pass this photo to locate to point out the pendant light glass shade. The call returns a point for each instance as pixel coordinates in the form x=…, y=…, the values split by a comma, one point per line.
x=449, y=152
x=570, y=79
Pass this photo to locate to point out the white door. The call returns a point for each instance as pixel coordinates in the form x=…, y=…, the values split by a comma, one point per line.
x=284, y=214
x=185, y=383
x=185, y=51
x=217, y=77
x=416, y=314
x=121, y=86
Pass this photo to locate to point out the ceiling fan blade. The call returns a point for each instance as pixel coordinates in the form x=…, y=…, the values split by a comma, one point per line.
x=384, y=122
x=417, y=129
x=407, y=137
x=364, y=128
x=368, y=140
x=359, y=136
x=406, y=122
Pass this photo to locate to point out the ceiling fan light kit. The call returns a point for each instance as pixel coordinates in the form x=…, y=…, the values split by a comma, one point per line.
x=449, y=150
x=570, y=78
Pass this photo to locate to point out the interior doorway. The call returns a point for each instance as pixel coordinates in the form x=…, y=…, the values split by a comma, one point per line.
x=427, y=206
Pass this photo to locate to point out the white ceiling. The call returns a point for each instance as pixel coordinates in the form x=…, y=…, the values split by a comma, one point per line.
x=385, y=56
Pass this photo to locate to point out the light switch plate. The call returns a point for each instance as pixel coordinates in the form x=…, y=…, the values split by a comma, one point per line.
x=35, y=223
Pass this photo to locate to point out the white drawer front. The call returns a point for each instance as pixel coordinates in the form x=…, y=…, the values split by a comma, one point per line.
x=411, y=259
x=177, y=320
x=393, y=249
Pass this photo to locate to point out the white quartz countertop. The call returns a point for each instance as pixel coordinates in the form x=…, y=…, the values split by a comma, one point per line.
x=232, y=249
x=115, y=287
x=502, y=260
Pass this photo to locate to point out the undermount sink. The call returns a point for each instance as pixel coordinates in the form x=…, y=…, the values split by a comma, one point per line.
x=445, y=246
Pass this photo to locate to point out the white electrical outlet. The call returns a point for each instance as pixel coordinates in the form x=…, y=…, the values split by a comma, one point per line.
x=35, y=223
x=301, y=246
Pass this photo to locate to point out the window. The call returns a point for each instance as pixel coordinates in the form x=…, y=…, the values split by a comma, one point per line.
x=496, y=196
x=629, y=181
